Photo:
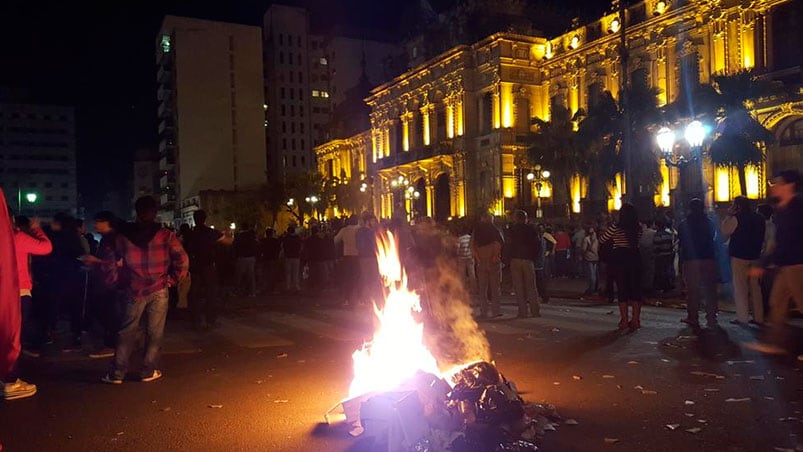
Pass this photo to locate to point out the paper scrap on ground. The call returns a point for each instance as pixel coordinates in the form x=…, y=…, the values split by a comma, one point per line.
x=694, y=430
x=743, y=399
x=688, y=402
x=571, y=422
x=611, y=440
x=214, y=405
x=672, y=426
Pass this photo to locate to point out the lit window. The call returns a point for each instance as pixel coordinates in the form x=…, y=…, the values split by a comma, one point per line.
x=323, y=61
x=324, y=93
x=575, y=42
x=316, y=93
x=165, y=43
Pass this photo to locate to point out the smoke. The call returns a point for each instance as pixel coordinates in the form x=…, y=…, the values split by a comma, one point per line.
x=452, y=334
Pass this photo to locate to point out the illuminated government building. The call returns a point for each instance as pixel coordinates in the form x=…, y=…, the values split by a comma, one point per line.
x=447, y=137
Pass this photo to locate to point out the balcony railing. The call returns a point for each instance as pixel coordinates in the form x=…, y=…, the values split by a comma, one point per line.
x=414, y=155
x=166, y=145
x=164, y=93
x=165, y=110
x=166, y=163
x=166, y=125
x=164, y=74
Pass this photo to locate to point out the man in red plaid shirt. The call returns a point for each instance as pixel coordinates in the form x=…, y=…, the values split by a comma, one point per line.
x=148, y=259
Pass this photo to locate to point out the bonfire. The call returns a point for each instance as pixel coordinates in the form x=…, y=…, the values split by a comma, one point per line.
x=401, y=398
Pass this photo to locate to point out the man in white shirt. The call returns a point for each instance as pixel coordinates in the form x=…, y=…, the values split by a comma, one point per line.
x=465, y=261
x=350, y=263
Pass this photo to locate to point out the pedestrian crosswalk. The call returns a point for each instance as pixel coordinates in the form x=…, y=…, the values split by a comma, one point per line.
x=266, y=328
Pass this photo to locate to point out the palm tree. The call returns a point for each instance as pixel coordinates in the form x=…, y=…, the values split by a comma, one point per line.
x=555, y=147
x=738, y=134
x=602, y=132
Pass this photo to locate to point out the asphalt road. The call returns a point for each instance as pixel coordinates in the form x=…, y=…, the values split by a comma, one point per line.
x=234, y=389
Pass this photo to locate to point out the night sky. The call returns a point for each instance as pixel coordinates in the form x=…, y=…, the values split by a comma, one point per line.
x=98, y=57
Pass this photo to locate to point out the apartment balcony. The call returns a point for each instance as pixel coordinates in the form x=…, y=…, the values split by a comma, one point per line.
x=167, y=200
x=164, y=93
x=166, y=125
x=165, y=110
x=167, y=162
x=168, y=180
x=164, y=74
x=166, y=145
x=446, y=147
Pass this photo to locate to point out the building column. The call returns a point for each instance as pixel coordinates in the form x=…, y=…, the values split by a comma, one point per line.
x=450, y=116
x=405, y=120
x=497, y=111
x=458, y=107
x=425, y=125
x=430, y=200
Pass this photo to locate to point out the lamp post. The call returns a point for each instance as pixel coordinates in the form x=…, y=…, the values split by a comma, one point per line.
x=31, y=197
x=694, y=134
x=538, y=176
x=312, y=200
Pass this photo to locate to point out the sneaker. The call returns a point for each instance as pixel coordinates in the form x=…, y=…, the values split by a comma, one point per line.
x=111, y=379
x=157, y=374
x=105, y=352
x=18, y=390
x=765, y=348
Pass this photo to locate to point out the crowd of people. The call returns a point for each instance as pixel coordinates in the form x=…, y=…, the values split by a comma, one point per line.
x=139, y=271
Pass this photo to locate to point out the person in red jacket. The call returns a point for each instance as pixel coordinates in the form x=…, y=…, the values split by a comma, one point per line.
x=29, y=240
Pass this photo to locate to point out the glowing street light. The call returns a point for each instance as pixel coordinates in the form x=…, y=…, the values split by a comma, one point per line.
x=233, y=226
x=695, y=133
x=538, y=176
x=31, y=197
x=666, y=140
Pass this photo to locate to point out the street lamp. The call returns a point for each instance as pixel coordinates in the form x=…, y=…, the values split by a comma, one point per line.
x=31, y=197
x=695, y=134
x=666, y=140
x=538, y=176
x=312, y=200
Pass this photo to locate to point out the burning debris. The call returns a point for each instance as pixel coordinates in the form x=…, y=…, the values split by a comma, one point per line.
x=475, y=409
x=399, y=399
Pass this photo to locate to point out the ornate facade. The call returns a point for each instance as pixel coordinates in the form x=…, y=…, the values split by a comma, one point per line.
x=448, y=137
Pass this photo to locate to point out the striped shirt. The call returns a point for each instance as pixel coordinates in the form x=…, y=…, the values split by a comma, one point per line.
x=464, y=246
x=619, y=237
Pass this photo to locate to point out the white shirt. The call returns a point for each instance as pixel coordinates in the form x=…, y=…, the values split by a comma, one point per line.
x=348, y=235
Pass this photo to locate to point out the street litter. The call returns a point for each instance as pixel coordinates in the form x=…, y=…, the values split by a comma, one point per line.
x=689, y=402
x=120, y=433
x=556, y=383
x=665, y=360
x=555, y=330
x=301, y=361
x=743, y=399
x=689, y=414
x=609, y=313
x=694, y=430
x=632, y=362
x=672, y=426
x=757, y=377
x=702, y=421
x=167, y=408
x=280, y=401
x=639, y=387
x=711, y=389
x=783, y=449
x=730, y=363
x=611, y=440
x=213, y=405
x=648, y=392
x=571, y=422
x=259, y=382
x=769, y=398
x=282, y=355
x=707, y=374
x=608, y=376
x=787, y=419
x=576, y=377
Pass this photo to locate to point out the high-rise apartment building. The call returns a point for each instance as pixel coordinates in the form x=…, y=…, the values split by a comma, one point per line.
x=211, y=127
x=37, y=158
x=306, y=76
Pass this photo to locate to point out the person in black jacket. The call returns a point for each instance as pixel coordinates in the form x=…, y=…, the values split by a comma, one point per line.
x=787, y=257
x=522, y=249
x=245, y=251
x=697, y=257
x=746, y=231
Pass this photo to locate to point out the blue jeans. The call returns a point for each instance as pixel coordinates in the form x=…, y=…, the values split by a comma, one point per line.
x=592, y=275
x=154, y=308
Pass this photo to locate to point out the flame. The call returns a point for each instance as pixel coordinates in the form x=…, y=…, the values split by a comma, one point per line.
x=397, y=350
